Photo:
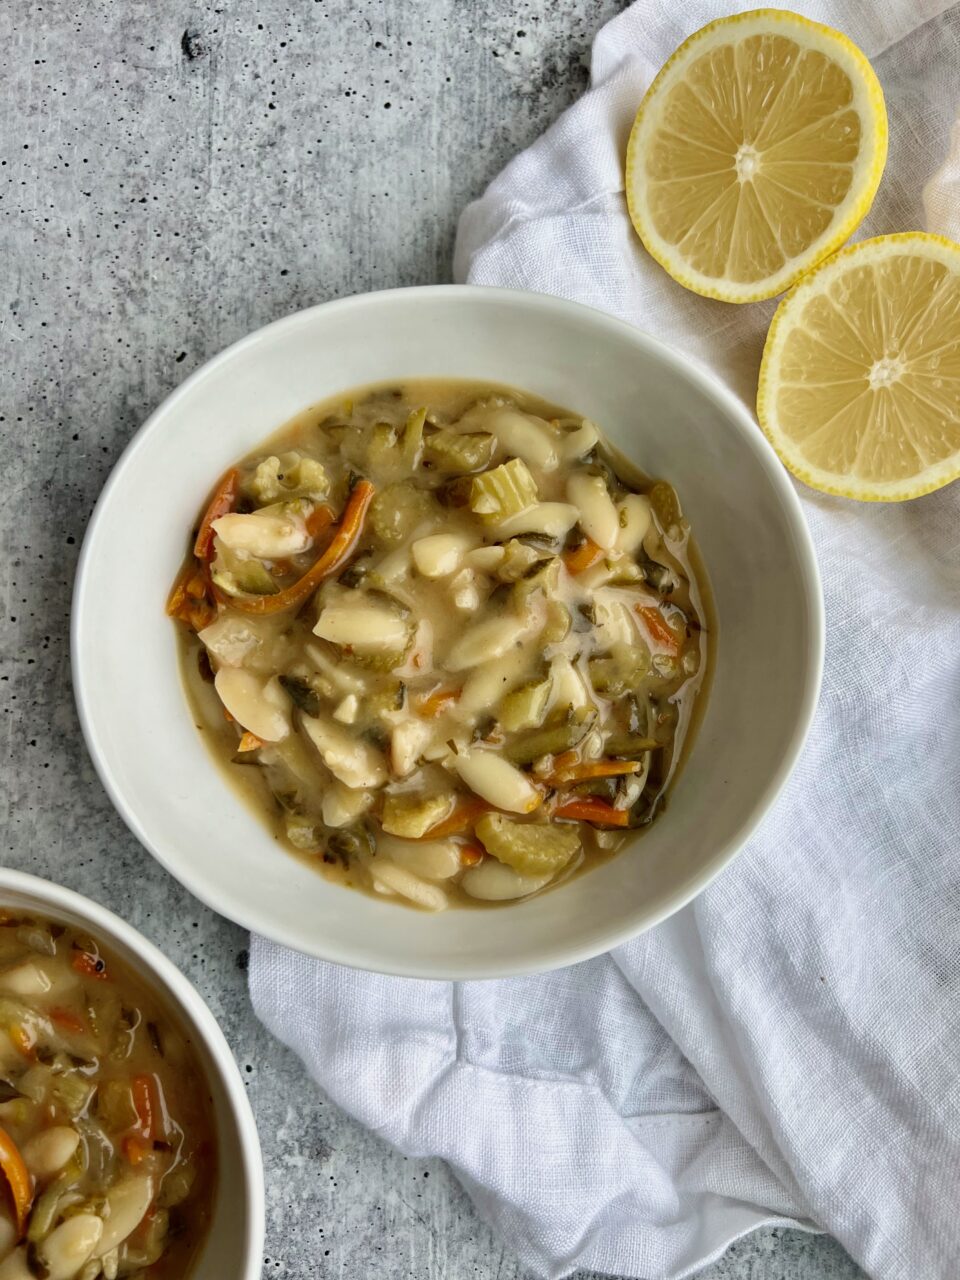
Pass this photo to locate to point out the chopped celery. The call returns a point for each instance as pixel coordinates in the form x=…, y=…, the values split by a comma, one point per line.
x=72, y=1092
x=382, y=447
x=531, y=848
x=301, y=830
x=623, y=670
x=412, y=439
x=551, y=739
x=505, y=491
x=453, y=452
x=242, y=577
x=557, y=625
x=412, y=815
x=399, y=509
x=525, y=707
x=666, y=507
x=115, y=1106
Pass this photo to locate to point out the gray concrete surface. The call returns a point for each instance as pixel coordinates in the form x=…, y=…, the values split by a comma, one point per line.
x=174, y=174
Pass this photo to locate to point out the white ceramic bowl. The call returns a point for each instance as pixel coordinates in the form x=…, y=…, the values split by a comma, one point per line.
x=664, y=413
x=234, y=1246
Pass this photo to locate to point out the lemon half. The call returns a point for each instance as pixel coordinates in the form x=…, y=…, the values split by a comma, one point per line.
x=860, y=380
x=755, y=153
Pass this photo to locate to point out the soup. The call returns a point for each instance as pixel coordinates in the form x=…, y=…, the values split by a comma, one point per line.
x=449, y=636
x=107, y=1144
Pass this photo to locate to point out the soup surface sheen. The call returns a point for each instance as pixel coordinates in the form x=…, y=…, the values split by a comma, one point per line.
x=450, y=638
x=107, y=1139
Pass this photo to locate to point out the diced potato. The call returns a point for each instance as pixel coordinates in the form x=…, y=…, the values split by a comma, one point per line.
x=412, y=814
x=495, y=780
x=420, y=892
x=27, y=979
x=633, y=515
x=259, y=705
x=505, y=491
x=343, y=805
x=488, y=639
x=236, y=640
x=567, y=687
x=440, y=554
x=494, y=881
x=555, y=519
x=364, y=626
x=355, y=762
x=407, y=742
x=431, y=859
x=599, y=518
x=455, y=453
x=464, y=591
x=621, y=671
x=532, y=848
x=346, y=710
x=301, y=831
x=525, y=707
x=270, y=534
x=615, y=621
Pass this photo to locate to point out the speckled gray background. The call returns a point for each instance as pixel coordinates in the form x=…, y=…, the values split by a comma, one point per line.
x=174, y=174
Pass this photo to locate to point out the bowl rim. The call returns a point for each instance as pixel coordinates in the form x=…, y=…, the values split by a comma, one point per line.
x=186, y=998
x=558, y=954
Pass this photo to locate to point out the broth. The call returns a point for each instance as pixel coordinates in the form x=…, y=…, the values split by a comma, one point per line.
x=493, y=686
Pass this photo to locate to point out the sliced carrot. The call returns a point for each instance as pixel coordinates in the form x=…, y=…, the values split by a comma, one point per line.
x=230, y=719
x=91, y=966
x=583, y=770
x=136, y=1149
x=23, y=1040
x=661, y=632
x=471, y=855
x=593, y=809
x=250, y=742
x=320, y=518
x=192, y=599
x=224, y=499
x=464, y=815
x=144, y=1090
x=19, y=1181
x=434, y=703
x=67, y=1021
x=331, y=561
x=584, y=557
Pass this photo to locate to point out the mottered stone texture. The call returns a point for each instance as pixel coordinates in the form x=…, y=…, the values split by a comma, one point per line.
x=174, y=174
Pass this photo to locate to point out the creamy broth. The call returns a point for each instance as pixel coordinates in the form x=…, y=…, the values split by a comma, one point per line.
x=107, y=1139
x=446, y=639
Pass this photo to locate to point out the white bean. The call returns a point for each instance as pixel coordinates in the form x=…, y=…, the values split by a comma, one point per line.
x=63, y=1253
x=429, y=896
x=494, y=882
x=567, y=688
x=633, y=514
x=483, y=559
x=487, y=683
x=268, y=536
x=431, y=859
x=524, y=436
x=366, y=627
x=338, y=674
x=578, y=442
x=126, y=1203
x=489, y=639
x=258, y=705
x=27, y=979
x=496, y=780
x=440, y=554
x=49, y=1150
x=598, y=515
x=354, y=762
x=342, y=805
x=555, y=519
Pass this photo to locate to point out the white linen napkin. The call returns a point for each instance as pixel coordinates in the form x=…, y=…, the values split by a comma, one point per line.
x=787, y=1048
